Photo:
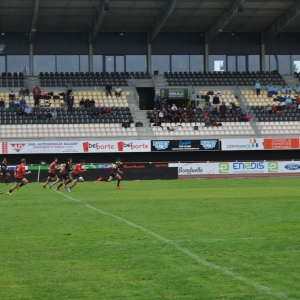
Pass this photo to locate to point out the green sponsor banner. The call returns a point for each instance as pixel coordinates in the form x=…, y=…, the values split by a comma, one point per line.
x=176, y=93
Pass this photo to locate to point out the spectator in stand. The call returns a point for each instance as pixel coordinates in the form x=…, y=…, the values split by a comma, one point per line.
x=108, y=111
x=28, y=111
x=270, y=88
x=48, y=116
x=26, y=91
x=81, y=103
x=20, y=110
x=99, y=110
x=103, y=109
x=54, y=115
x=297, y=89
x=38, y=115
x=70, y=102
x=257, y=87
x=207, y=122
x=108, y=88
x=190, y=115
x=118, y=91
x=193, y=98
x=275, y=90
x=174, y=107
x=207, y=102
x=268, y=109
x=247, y=118
x=297, y=100
x=283, y=90
x=238, y=114
x=215, y=113
x=11, y=105
x=274, y=109
x=87, y=103
x=161, y=115
x=11, y=95
x=205, y=114
x=92, y=102
x=288, y=101
x=36, y=95
x=281, y=99
x=93, y=110
x=216, y=100
x=233, y=109
x=22, y=101
x=114, y=111
x=2, y=103
x=157, y=101
x=165, y=101
x=289, y=89
x=21, y=92
x=223, y=110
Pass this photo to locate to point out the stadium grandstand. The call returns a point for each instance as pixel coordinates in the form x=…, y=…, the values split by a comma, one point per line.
x=215, y=48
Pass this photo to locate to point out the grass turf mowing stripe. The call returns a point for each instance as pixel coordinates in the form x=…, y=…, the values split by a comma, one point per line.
x=258, y=286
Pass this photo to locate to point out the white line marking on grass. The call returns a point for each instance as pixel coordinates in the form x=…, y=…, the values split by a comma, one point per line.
x=258, y=286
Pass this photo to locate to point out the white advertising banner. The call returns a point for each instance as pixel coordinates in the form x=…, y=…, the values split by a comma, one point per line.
x=133, y=146
x=41, y=147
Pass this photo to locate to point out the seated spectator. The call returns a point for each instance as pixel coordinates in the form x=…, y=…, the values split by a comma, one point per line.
x=283, y=90
x=297, y=100
x=93, y=110
x=288, y=101
x=20, y=110
x=48, y=116
x=28, y=111
x=21, y=92
x=165, y=101
x=26, y=91
x=114, y=111
x=17, y=102
x=99, y=110
x=22, y=101
x=161, y=115
x=174, y=107
x=82, y=103
x=103, y=110
x=270, y=89
x=238, y=114
x=215, y=113
x=38, y=115
x=87, y=103
x=274, y=90
x=11, y=95
x=280, y=99
x=54, y=115
x=118, y=91
x=11, y=105
x=297, y=89
x=268, y=109
x=289, y=89
x=108, y=111
x=190, y=115
x=274, y=109
x=207, y=122
x=247, y=118
x=207, y=101
x=216, y=100
x=205, y=114
x=2, y=103
x=92, y=102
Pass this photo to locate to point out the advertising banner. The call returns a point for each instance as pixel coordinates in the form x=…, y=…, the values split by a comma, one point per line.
x=260, y=144
x=133, y=146
x=185, y=145
x=196, y=168
x=41, y=147
x=180, y=94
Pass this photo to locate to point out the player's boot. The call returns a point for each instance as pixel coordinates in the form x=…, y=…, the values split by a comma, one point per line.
x=50, y=186
x=1, y=192
x=8, y=193
x=69, y=190
x=119, y=187
x=99, y=179
x=44, y=187
x=57, y=189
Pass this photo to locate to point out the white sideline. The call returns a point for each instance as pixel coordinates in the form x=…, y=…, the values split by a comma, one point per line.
x=199, y=259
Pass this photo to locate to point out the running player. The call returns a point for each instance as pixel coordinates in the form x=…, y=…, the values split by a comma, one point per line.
x=115, y=172
x=4, y=170
x=64, y=175
x=19, y=179
x=77, y=177
x=51, y=173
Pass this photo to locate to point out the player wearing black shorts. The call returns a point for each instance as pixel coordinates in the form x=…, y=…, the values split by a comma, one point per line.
x=4, y=171
x=51, y=173
x=115, y=173
x=65, y=175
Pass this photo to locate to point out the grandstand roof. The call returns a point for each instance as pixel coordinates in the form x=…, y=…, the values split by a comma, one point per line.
x=210, y=16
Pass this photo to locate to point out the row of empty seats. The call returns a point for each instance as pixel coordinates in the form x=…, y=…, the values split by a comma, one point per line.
x=66, y=130
x=13, y=75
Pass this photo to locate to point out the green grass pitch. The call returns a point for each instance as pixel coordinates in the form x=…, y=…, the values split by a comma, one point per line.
x=178, y=239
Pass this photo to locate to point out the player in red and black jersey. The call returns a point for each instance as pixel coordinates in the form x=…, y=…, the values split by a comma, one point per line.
x=76, y=174
x=19, y=172
x=51, y=172
x=64, y=175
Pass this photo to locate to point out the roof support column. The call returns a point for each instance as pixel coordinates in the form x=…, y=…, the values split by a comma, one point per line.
x=263, y=57
x=206, y=57
x=149, y=58
x=30, y=60
x=91, y=53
